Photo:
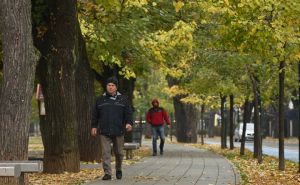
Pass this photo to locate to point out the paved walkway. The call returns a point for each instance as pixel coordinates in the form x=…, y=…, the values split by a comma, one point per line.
x=182, y=165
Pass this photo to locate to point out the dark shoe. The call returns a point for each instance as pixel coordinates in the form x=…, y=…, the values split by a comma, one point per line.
x=119, y=174
x=161, y=152
x=154, y=154
x=106, y=177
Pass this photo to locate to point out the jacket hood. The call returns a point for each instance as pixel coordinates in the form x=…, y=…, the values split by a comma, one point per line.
x=155, y=100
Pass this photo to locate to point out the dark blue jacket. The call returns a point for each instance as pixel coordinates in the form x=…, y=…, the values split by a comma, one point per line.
x=111, y=114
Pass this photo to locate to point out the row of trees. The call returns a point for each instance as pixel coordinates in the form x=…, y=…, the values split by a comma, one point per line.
x=210, y=51
x=245, y=50
x=62, y=65
x=206, y=50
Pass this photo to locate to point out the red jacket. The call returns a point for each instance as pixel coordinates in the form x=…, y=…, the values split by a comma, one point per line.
x=156, y=116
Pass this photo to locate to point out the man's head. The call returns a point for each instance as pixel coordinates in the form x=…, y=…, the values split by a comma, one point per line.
x=155, y=102
x=112, y=85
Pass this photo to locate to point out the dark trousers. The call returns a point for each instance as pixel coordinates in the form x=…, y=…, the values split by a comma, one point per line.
x=118, y=142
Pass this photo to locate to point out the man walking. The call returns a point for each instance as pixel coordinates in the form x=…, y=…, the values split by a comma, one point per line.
x=112, y=115
x=156, y=116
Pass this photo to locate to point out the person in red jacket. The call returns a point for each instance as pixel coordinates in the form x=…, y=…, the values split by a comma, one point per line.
x=157, y=116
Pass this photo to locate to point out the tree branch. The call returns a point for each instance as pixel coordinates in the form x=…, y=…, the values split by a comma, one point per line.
x=97, y=75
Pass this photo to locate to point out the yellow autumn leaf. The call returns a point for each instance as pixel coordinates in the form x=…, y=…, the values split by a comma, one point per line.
x=226, y=2
x=178, y=6
x=298, y=56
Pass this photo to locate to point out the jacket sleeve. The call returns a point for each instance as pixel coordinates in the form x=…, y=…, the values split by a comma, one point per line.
x=128, y=114
x=95, y=117
x=166, y=117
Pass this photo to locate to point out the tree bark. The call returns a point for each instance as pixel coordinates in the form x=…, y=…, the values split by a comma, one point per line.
x=186, y=116
x=257, y=130
x=89, y=147
x=223, y=123
x=19, y=63
x=246, y=119
x=186, y=119
x=281, y=115
x=126, y=87
x=202, y=124
x=211, y=126
x=56, y=71
x=299, y=116
x=231, y=122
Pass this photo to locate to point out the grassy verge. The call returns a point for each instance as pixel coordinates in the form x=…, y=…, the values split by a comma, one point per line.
x=35, y=143
x=261, y=174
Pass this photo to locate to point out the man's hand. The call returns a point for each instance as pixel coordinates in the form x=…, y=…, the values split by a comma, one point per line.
x=128, y=127
x=169, y=126
x=94, y=132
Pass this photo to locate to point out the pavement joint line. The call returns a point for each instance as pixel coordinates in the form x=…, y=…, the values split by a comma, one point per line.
x=177, y=163
x=161, y=160
x=186, y=169
x=180, y=164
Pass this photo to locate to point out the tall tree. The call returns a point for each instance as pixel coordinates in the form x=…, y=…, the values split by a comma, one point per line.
x=281, y=115
x=172, y=50
x=246, y=119
x=257, y=128
x=56, y=71
x=231, y=121
x=89, y=147
x=223, y=123
x=202, y=124
x=19, y=62
x=113, y=31
x=186, y=119
x=299, y=113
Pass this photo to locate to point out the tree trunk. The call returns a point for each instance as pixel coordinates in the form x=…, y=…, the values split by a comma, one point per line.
x=89, y=147
x=299, y=116
x=246, y=119
x=186, y=116
x=257, y=131
x=126, y=87
x=19, y=62
x=223, y=123
x=181, y=120
x=281, y=115
x=56, y=71
x=231, y=122
x=211, y=126
x=202, y=124
x=186, y=121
